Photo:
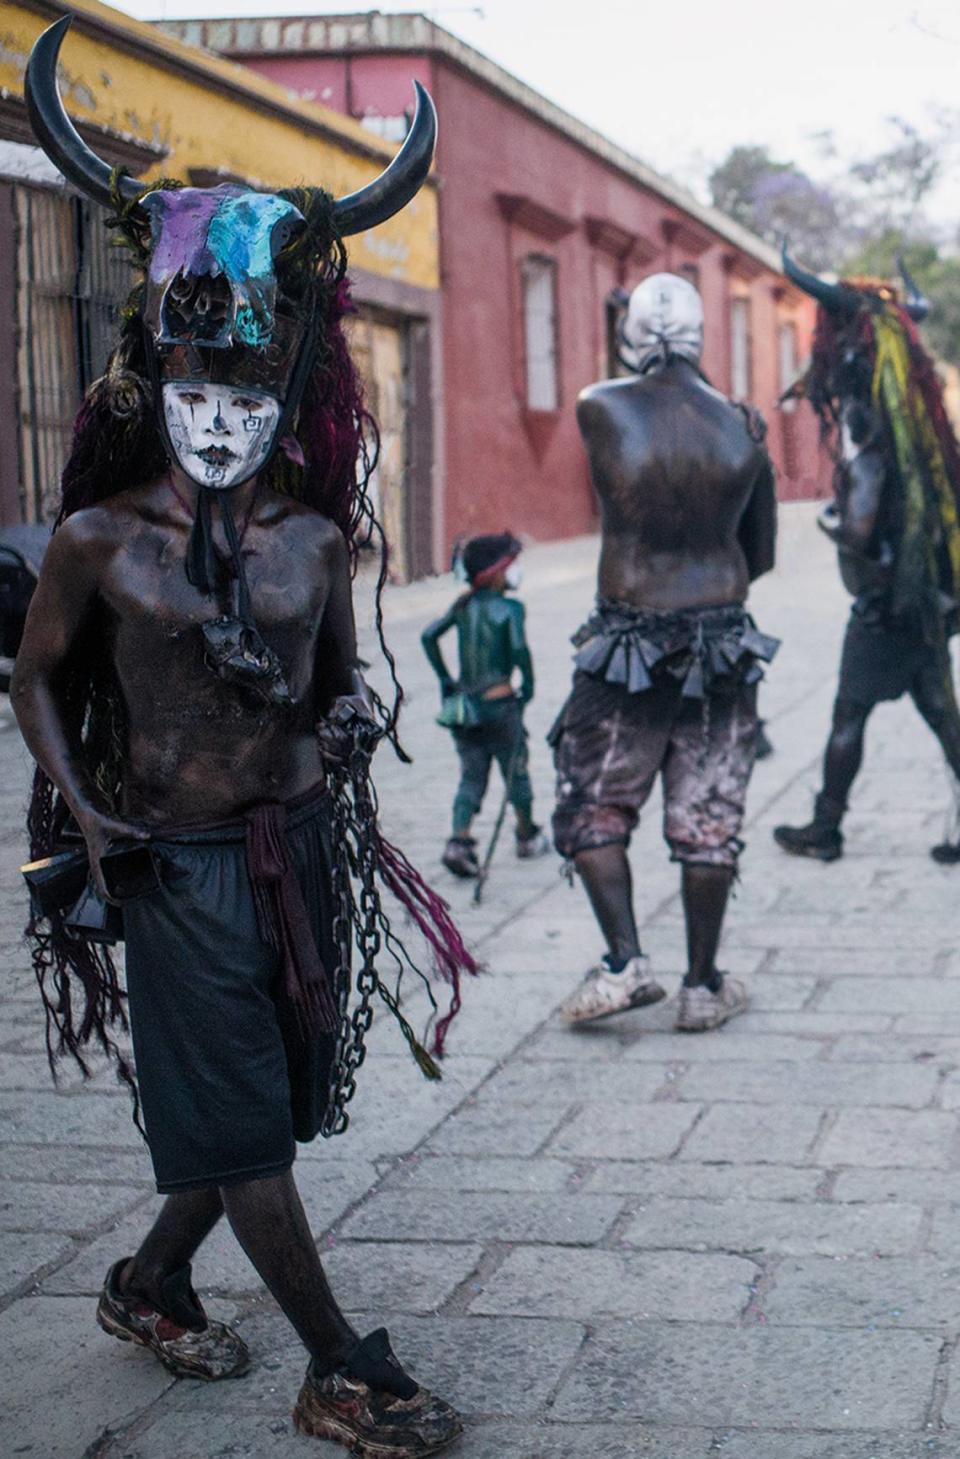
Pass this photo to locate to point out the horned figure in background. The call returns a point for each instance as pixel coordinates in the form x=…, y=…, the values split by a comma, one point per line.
x=895, y=520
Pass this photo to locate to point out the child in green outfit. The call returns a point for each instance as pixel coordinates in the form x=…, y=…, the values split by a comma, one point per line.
x=482, y=709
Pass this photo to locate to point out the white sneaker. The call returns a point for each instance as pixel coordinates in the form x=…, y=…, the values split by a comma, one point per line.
x=602, y=993
x=701, y=1010
x=536, y=844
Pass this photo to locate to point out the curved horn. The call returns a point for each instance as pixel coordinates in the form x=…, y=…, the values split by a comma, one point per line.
x=834, y=297
x=401, y=181
x=55, y=131
x=916, y=302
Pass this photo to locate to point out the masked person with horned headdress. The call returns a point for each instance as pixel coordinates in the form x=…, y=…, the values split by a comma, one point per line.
x=668, y=664
x=895, y=523
x=189, y=686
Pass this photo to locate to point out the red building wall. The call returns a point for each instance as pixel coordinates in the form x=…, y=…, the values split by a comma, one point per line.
x=512, y=185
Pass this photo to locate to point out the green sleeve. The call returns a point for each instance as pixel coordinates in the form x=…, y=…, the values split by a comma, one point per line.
x=430, y=638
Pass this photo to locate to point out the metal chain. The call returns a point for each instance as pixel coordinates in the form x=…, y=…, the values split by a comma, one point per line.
x=356, y=919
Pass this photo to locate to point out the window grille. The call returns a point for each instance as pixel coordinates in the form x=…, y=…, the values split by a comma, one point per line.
x=540, y=332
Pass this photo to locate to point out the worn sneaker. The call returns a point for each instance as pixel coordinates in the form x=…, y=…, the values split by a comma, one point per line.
x=947, y=853
x=460, y=856
x=375, y=1409
x=210, y=1351
x=701, y=1010
x=823, y=843
x=602, y=992
x=537, y=843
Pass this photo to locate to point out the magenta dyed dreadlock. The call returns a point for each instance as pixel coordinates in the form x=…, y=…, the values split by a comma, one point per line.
x=117, y=445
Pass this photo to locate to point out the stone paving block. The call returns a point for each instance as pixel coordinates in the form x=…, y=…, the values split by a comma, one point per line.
x=396, y=1108
x=87, y=1118
x=832, y=1379
x=778, y=1134
x=856, y=962
x=723, y=1044
x=240, y=1435
x=556, y=1086
x=62, y=1379
x=920, y=1292
x=922, y=1188
x=809, y=1023
x=824, y=1085
x=932, y=1051
x=927, y=996
x=486, y=1216
x=792, y=1227
x=778, y=1445
x=625, y=1132
x=542, y=1281
x=88, y=1164
x=652, y=1179
x=479, y=1130
x=23, y=1253
x=950, y=1094
x=781, y=994
x=943, y=1238
x=878, y=1137
x=330, y=1187
x=577, y=1441
x=936, y=1025
x=397, y=1276
x=36, y=1206
x=951, y=1407
x=865, y=932
x=461, y=1173
x=605, y=1043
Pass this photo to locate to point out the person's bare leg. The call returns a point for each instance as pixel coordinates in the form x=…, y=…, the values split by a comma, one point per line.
x=705, y=891
x=605, y=873
x=268, y=1220
x=185, y=1220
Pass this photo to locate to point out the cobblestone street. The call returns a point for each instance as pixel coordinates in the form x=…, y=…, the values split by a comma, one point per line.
x=610, y=1244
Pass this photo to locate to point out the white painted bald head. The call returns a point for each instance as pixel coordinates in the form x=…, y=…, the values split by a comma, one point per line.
x=664, y=316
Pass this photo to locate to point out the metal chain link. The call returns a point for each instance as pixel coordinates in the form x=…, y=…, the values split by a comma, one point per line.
x=356, y=919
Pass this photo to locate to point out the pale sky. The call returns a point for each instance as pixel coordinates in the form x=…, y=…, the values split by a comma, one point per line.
x=680, y=82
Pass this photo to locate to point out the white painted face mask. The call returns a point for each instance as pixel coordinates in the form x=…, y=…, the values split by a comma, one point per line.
x=514, y=574
x=221, y=435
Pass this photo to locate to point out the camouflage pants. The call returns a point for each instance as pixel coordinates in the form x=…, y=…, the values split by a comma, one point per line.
x=609, y=746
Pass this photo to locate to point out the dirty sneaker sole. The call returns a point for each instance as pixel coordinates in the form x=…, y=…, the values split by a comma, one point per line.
x=181, y=1365
x=323, y=1423
x=716, y=1020
x=644, y=997
x=813, y=853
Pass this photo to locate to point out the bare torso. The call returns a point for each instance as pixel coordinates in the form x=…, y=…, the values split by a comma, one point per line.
x=198, y=748
x=677, y=474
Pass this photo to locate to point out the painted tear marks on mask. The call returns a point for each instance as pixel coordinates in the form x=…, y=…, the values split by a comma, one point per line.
x=211, y=279
x=220, y=435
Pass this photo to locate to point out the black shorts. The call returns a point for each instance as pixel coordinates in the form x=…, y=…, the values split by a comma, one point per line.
x=227, y=1082
x=883, y=660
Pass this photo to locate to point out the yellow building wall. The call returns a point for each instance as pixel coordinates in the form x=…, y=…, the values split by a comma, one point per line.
x=132, y=80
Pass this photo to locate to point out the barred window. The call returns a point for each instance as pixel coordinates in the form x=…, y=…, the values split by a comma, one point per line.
x=740, y=349
x=539, y=278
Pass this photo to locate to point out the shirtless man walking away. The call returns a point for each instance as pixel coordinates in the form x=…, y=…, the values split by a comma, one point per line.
x=668, y=663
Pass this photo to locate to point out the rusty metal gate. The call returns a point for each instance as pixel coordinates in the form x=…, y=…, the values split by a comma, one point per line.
x=71, y=282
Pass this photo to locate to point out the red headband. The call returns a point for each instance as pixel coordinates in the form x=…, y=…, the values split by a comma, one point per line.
x=480, y=579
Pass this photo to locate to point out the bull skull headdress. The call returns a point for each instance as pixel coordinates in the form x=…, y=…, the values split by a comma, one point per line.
x=228, y=350
x=842, y=300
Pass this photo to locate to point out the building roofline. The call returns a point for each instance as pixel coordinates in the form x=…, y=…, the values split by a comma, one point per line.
x=148, y=40
x=376, y=31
